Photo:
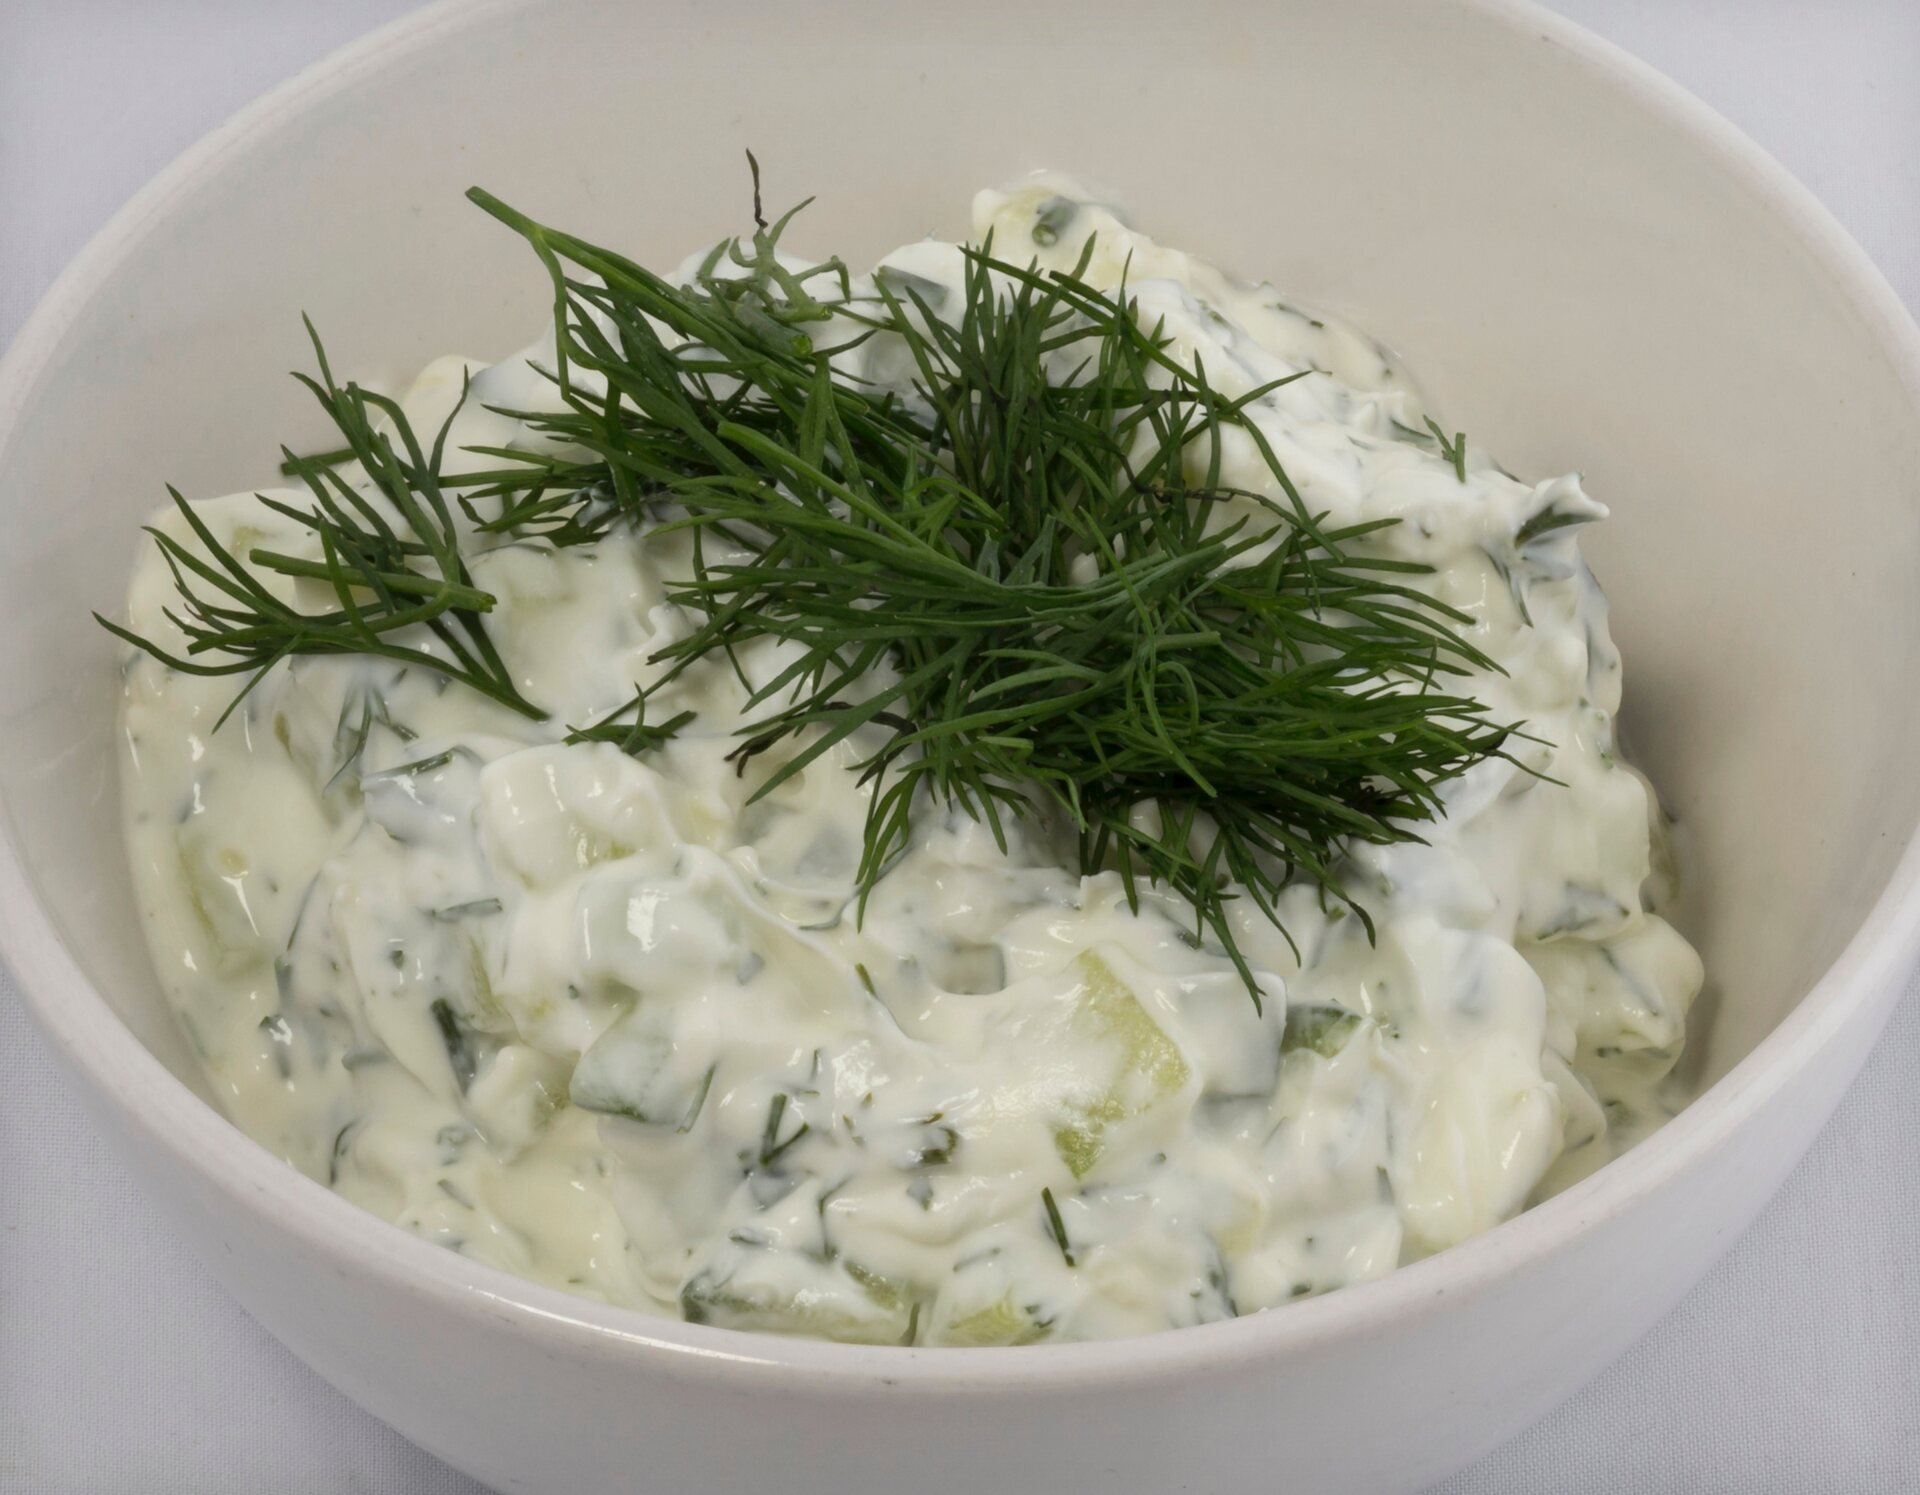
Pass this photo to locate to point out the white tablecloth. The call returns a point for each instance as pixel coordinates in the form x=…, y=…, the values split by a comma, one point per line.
x=1794, y=1367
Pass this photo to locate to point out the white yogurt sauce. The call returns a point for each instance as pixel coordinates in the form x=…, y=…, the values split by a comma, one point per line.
x=597, y=1020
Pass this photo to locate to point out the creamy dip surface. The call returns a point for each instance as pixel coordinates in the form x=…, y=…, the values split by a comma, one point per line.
x=598, y=1020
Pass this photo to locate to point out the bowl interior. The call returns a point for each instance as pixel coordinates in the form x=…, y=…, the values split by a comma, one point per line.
x=1578, y=282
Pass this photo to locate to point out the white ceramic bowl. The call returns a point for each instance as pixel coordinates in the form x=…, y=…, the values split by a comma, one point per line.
x=1590, y=270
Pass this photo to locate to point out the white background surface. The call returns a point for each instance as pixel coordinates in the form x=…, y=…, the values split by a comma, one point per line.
x=1794, y=1367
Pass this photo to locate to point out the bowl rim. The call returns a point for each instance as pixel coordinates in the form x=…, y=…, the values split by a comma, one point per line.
x=150, y=1101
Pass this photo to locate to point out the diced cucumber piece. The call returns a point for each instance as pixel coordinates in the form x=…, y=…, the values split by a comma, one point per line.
x=215, y=879
x=1004, y=1322
x=970, y=970
x=1324, y=1030
x=515, y=1095
x=885, y=1292
x=784, y=1292
x=551, y=813
x=988, y=1301
x=1152, y=1066
x=636, y=1070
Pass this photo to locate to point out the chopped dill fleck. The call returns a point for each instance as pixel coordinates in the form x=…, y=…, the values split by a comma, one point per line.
x=1057, y=1225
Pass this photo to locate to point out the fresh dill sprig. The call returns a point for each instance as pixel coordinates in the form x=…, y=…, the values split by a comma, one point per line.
x=1216, y=691
x=389, y=555
x=295, y=466
x=1454, y=451
x=1022, y=587
x=635, y=734
x=1549, y=519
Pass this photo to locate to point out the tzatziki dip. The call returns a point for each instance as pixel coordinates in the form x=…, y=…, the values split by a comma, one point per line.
x=519, y=929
